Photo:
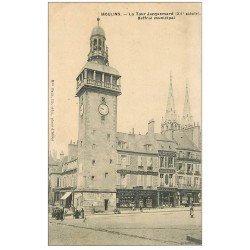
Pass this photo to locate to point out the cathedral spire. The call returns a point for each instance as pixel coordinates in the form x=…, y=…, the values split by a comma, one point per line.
x=187, y=119
x=170, y=111
x=171, y=120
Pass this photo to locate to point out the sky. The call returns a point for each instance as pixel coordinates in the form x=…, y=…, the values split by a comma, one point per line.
x=143, y=51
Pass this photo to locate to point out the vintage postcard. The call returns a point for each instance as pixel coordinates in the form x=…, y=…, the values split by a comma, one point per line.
x=125, y=124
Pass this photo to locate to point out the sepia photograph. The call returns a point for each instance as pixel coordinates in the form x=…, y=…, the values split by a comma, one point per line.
x=125, y=124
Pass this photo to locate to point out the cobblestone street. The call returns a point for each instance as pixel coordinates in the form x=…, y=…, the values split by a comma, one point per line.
x=147, y=228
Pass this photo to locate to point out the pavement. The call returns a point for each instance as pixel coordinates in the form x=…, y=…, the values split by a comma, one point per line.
x=170, y=226
x=137, y=211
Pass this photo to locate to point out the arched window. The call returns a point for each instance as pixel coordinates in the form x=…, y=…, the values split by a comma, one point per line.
x=99, y=44
x=95, y=44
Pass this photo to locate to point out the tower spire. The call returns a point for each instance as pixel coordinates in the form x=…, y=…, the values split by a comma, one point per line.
x=170, y=111
x=187, y=119
x=171, y=120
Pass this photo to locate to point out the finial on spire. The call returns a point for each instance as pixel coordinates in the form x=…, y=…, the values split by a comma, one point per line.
x=98, y=19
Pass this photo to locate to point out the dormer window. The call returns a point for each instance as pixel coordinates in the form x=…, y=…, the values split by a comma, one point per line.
x=122, y=144
x=148, y=147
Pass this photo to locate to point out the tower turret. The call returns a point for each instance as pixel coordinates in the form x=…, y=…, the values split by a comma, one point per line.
x=98, y=49
x=97, y=74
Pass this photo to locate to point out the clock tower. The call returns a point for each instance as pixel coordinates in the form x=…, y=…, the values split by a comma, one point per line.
x=98, y=86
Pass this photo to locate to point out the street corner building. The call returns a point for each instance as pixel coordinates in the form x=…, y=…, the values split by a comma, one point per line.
x=106, y=169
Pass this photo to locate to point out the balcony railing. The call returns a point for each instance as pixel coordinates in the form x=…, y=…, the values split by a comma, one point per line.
x=99, y=84
x=180, y=172
x=190, y=159
x=98, y=53
x=169, y=185
x=188, y=186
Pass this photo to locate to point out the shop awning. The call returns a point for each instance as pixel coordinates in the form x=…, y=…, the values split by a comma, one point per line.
x=66, y=195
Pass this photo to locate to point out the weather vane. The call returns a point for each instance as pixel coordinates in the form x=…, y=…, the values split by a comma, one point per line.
x=98, y=18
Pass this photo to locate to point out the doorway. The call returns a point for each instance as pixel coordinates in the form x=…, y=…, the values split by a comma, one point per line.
x=106, y=202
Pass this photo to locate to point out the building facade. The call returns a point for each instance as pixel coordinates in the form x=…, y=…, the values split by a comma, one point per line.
x=106, y=168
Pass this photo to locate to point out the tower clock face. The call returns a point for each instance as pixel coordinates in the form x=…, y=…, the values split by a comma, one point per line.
x=103, y=109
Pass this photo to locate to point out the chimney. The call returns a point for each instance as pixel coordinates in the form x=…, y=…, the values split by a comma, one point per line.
x=133, y=131
x=151, y=127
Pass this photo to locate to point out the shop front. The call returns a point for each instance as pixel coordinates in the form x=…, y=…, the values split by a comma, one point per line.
x=188, y=197
x=136, y=198
x=167, y=197
x=67, y=199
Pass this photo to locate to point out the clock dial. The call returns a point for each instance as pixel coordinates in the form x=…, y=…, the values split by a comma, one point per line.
x=103, y=109
x=81, y=110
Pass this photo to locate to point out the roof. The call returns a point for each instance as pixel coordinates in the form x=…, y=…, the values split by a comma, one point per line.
x=184, y=142
x=55, y=170
x=98, y=30
x=136, y=143
x=53, y=161
x=101, y=68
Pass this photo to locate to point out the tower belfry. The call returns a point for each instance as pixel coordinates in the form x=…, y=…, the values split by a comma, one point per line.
x=187, y=118
x=98, y=50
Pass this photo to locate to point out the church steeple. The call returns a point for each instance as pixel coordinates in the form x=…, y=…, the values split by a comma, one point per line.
x=98, y=49
x=187, y=119
x=171, y=118
x=170, y=111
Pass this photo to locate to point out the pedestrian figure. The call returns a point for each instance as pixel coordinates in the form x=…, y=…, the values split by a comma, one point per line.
x=140, y=208
x=62, y=214
x=53, y=213
x=192, y=211
x=58, y=214
x=82, y=214
x=77, y=213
